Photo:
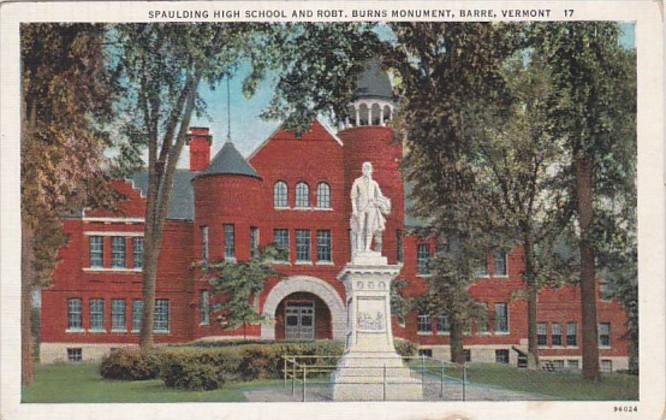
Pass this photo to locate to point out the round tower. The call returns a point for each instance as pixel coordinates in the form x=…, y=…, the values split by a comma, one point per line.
x=226, y=197
x=367, y=136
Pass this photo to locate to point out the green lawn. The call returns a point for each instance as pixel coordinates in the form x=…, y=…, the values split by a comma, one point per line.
x=82, y=384
x=562, y=386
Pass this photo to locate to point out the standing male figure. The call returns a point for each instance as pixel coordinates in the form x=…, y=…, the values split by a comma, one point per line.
x=368, y=209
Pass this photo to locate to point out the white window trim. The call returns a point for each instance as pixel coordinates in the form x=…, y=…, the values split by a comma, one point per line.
x=424, y=275
x=97, y=331
x=424, y=333
x=117, y=330
x=303, y=262
x=282, y=208
x=506, y=264
x=111, y=233
x=126, y=220
x=75, y=330
x=324, y=263
x=127, y=270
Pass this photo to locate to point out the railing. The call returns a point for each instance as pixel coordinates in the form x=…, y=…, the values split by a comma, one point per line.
x=434, y=376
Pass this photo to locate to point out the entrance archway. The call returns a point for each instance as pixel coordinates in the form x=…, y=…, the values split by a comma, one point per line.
x=302, y=316
x=304, y=285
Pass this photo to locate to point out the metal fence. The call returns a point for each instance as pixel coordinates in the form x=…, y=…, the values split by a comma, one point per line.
x=312, y=374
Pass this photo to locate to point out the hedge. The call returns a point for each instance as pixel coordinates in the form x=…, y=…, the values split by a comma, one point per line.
x=130, y=364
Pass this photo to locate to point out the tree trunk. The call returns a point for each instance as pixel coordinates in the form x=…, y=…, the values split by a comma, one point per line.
x=532, y=342
x=456, y=337
x=27, y=281
x=584, y=199
x=149, y=282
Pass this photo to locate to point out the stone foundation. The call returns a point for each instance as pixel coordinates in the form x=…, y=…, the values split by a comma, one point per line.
x=90, y=352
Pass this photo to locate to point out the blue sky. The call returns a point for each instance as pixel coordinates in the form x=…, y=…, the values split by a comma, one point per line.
x=248, y=130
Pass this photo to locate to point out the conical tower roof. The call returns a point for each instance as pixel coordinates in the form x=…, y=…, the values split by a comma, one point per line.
x=229, y=161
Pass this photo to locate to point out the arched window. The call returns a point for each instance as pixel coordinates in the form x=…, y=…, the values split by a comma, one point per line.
x=280, y=194
x=323, y=196
x=302, y=195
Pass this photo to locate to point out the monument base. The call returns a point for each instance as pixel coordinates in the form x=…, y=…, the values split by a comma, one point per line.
x=376, y=376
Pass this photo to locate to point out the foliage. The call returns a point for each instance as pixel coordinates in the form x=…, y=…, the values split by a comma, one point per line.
x=187, y=374
x=404, y=347
x=399, y=304
x=130, y=364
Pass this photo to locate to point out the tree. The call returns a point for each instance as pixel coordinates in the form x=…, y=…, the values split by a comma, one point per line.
x=446, y=72
x=238, y=284
x=592, y=109
x=66, y=100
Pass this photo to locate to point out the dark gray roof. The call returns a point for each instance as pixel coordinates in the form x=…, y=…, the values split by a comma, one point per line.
x=229, y=161
x=181, y=200
x=374, y=82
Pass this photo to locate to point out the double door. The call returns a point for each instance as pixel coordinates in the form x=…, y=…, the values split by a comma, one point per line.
x=299, y=321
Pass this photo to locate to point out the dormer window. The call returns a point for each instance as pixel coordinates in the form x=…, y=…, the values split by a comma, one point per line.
x=302, y=195
x=323, y=196
x=280, y=195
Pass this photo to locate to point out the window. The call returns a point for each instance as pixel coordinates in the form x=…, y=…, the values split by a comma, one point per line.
x=96, y=314
x=442, y=325
x=556, y=334
x=96, y=251
x=118, y=318
x=205, y=308
x=482, y=271
x=423, y=259
x=74, y=321
x=571, y=334
x=137, y=252
x=604, y=334
x=280, y=195
x=425, y=352
x=161, y=315
x=542, y=334
x=229, y=241
x=118, y=252
x=606, y=366
x=424, y=324
x=302, y=195
x=75, y=354
x=468, y=355
x=501, y=266
x=572, y=364
x=204, y=243
x=254, y=240
x=501, y=318
x=303, y=245
x=324, y=245
x=604, y=291
x=281, y=239
x=558, y=365
x=400, y=253
x=482, y=324
x=323, y=196
x=502, y=356
x=137, y=314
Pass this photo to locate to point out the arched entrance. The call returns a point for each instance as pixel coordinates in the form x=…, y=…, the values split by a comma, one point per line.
x=302, y=295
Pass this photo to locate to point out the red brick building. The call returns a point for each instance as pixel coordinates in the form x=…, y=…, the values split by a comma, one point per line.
x=292, y=191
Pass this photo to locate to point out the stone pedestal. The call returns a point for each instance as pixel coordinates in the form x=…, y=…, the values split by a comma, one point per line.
x=370, y=368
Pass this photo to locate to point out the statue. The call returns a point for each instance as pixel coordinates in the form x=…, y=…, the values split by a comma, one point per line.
x=369, y=206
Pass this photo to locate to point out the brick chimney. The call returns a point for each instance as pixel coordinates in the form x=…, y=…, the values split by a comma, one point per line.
x=199, y=139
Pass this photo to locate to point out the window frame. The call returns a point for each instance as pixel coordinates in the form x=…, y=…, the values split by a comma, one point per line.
x=324, y=199
x=137, y=321
x=608, y=335
x=118, y=252
x=302, y=234
x=440, y=321
x=117, y=315
x=254, y=240
x=229, y=230
x=543, y=326
x=502, y=351
x=136, y=255
x=94, y=253
x=506, y=317
x=277, y=233
x=556, y=327
x=302, y=195
x=423, y=324
x=78, y=325
x=423, y=259
x=74, y=354
x=204, y=307
x=205, y=242
x=325, y=250
x=96, y=313
x=506, y=264
x=280, y=196
x=166, y=304
x=574, y=342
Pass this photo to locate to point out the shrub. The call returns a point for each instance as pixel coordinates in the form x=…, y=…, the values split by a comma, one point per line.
x=130, y=364
x=405, y=348
x=188, y=373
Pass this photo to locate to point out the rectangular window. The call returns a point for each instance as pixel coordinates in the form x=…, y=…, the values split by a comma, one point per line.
x=502, y=356
x=303, y=245
x=204, y=243
x=571, y=334
x=425, y=352
x=556, y=334
x=604, y=291
x=74, y=319
x=96, y=314
x=442, y=325
x=254, y=240
x=118, y=315
x=501, y=318
x=324, y=245
x=96, y=244
x=137, y=252
x=482, y=270
x=161, y=315
x=468, y=355
x=604, y=334
x=205, y=308
x=423, y=259
x=501, y=266
x=281, y=239
x=542, y=334
x=75, y=354
x=137, y=315
x=118, y=252
x=229, y=241
x=572, y=364
x=606, y=366
x=482, y=324
x=424, y=324
x=558, y=365
x=400, y=253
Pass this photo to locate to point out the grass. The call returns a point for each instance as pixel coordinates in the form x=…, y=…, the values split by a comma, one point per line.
x=560, y=385
x=66, y=383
